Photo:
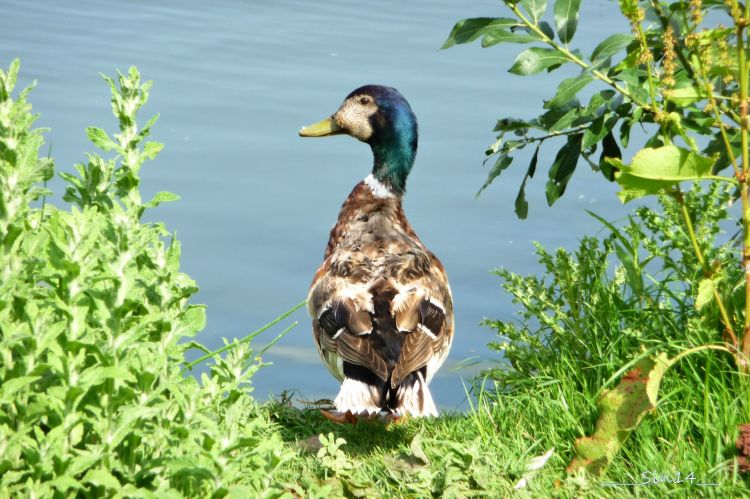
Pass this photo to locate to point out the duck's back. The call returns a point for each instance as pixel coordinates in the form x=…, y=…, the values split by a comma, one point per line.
x=380, y=302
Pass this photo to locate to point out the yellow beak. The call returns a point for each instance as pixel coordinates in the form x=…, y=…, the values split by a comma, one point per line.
x=322, y=128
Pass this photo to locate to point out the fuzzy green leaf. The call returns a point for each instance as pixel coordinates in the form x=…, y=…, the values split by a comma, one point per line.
x=536, y=59
x=194, y=319
x=11, y=387
x=100, y=139
x=101, y=478
x=12, y=76
x=151, y=149
x=705, y=294
x=566, y=18
x=161, y=197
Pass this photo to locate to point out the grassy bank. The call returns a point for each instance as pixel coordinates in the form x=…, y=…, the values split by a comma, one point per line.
x=95, y=400
x=486, y=451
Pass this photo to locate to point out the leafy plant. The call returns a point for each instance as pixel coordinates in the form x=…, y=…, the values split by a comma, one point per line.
x=94, y=315
x=678, y=79
x=625, y=303
x=331, y=457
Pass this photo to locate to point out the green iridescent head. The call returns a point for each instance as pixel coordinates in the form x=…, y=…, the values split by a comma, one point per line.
x=381, y=117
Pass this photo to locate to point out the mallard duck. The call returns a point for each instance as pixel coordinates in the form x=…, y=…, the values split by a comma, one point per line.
x=381, y=307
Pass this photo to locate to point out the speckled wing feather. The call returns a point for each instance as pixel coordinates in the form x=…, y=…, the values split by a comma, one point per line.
x=358, y=350
x=380, y=299
x=416, y=352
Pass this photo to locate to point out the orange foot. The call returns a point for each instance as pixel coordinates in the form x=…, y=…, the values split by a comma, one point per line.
x=392, y=418
x=340, y=417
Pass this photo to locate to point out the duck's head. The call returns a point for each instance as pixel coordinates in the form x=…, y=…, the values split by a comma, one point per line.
x=381, y=117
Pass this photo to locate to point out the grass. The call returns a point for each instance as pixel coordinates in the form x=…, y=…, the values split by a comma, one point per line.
x=485, y=451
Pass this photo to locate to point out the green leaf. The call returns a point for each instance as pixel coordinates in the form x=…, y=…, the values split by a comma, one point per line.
x=116, y=372
x=568, y=89
x=100, y=139
x=684, y=96
x=497, y=35
x=566, y=18
x=101, y=478
x=535, y=59
x=510, y=125
x=669, y=163
x=636, y=187
x=521, y=205
x=535, y=8
x=610, y=150
x=416, y=449
x=501, y=164
x=705, y=294
x=11, y=387
x=468, y=30
x=563, y=167
x=620, y=411
x=161, y=197
x=657, y=169
x=547, y=30
x=559, y=118
x=598, y=129
x=194, y=319
x=151, y=149
x=610, y=46
x=10, y=81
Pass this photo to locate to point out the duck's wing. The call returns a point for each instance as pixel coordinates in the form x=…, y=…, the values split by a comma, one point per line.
x=392, y=328
x=424, y=317
x=342, y=325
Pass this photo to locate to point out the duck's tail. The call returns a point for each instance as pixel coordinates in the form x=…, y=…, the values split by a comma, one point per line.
x=359, y=398
x=412, y=397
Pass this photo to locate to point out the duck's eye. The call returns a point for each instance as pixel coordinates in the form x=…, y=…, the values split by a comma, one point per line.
x=364, y=101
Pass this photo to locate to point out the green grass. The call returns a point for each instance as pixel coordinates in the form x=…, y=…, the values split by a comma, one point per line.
x=485, y=451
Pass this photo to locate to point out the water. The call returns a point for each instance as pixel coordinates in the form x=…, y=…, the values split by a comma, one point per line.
x=235, y=81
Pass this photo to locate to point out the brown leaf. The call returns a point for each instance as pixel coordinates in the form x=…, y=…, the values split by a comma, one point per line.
x=743, y=445
x=620, y=411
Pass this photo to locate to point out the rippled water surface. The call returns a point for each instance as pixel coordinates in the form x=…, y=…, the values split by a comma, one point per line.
x=234, y=81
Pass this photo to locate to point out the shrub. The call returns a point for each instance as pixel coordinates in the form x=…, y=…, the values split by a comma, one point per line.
x=94, y=315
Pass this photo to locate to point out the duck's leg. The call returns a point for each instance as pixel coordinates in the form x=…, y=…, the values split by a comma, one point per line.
x=339, y=417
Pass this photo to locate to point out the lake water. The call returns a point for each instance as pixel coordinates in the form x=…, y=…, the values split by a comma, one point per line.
x=234, y=82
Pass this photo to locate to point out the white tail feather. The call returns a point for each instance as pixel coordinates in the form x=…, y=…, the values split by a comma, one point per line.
x=415, y=399
x=357, y=397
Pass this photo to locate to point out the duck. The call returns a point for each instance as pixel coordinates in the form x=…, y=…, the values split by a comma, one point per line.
x=380, y=303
